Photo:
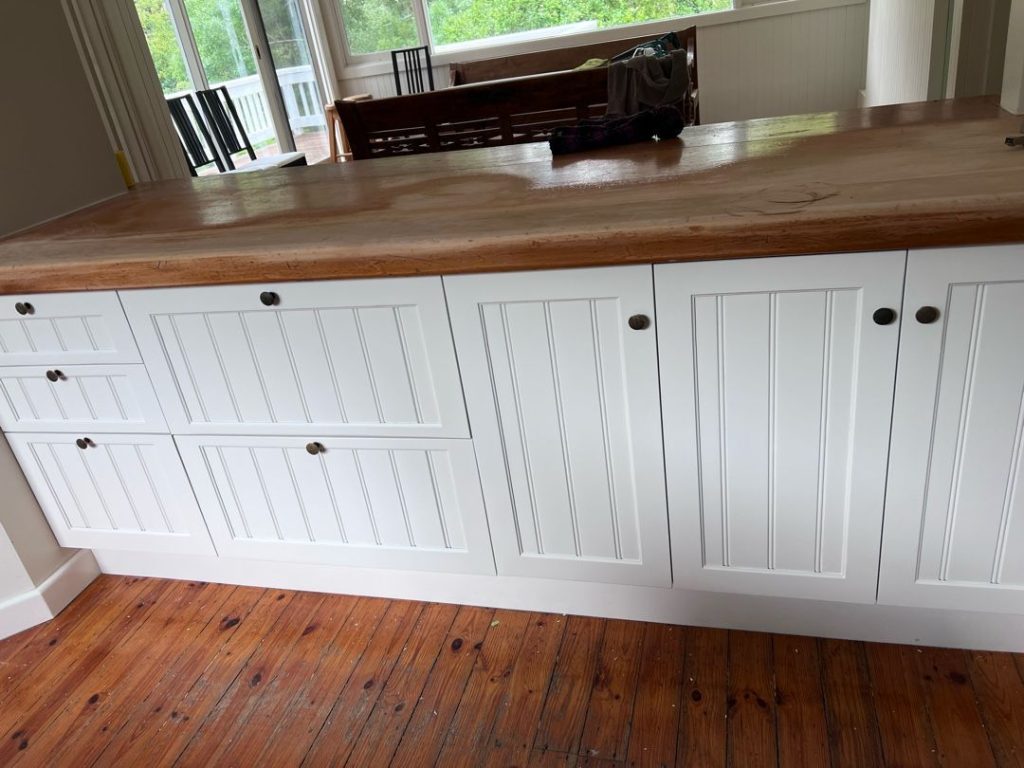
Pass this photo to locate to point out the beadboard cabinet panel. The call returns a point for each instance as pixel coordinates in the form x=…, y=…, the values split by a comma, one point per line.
x=120, y=492
x=79, y=398
x=65, y=329
x=563, y=401
x=409, y=504
x=954, y=533
x=354, y=357
x=777, y=394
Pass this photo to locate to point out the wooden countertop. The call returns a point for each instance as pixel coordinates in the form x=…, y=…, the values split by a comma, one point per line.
x=891, y=177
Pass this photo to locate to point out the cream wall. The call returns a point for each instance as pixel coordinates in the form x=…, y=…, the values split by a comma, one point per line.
x=55, y=155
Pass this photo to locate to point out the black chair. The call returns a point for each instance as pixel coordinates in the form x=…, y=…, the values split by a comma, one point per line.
x=413, y=64
x=231, y=137
x=198, y=151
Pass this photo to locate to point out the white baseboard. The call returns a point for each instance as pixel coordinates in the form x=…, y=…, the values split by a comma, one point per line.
x=49, y=598
x=918, y=626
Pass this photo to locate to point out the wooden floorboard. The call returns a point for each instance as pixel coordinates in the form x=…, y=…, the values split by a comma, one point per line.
x=144, y=672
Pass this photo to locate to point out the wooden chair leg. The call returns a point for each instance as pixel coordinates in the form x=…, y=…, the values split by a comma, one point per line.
x=332, y=137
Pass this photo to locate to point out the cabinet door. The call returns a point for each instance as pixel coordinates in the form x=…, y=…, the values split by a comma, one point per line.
x=407, y=504
x=79, y=398
x=563, y=401
x=119, y=492
x=350, y=357
x=954, y=520
x=65, y=329
x=777, y=392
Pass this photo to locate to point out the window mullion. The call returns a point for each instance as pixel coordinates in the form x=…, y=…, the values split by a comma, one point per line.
x=422, y=16
x=187, y=41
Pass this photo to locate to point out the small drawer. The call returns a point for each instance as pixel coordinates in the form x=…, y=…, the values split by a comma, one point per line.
x=125, y=492
x=79, y=398
x=65, y=329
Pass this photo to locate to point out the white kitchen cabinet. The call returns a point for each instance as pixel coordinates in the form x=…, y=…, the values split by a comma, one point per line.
x=372, y=502
x=954, y=520
x=350, y=358
x=79, y=398
x=113, y=492
x=64, y=329
x=563, y=401
x=777, y=393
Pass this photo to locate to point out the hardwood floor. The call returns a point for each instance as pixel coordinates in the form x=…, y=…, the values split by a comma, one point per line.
x=144, y=672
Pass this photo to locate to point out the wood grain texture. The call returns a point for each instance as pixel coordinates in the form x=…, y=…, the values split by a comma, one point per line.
x=159, y=673
x=893, y=177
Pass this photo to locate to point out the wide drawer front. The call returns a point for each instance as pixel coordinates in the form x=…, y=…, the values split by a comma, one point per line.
x=78, y=398
x=348, y=358
x=65, y=329
x=406, y=504
x=113, y=492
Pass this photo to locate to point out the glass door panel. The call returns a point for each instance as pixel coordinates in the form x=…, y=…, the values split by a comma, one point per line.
x=164, y=46
x=296, y=76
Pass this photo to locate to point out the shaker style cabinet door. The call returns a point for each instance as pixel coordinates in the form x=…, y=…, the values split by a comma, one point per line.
x=954, y=518
x=113, y=492
x=369, y=358
x=65, y=329
x=561, y=377
x=776, y=379
x=368, y=502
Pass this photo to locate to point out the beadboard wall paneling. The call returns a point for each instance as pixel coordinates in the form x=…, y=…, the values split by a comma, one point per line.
x=904, y=58
x=809, y=61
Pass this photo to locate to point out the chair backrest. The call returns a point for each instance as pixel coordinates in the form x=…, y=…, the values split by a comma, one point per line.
x=414, y=62
x=196, y=142
x=512, y=111
x=226, y=125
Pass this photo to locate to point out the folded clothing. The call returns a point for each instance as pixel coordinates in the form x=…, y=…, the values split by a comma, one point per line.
x=662, y=122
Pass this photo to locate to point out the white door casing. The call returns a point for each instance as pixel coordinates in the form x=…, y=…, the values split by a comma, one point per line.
x=777, y=395
x=954, y=522
x=563, y=403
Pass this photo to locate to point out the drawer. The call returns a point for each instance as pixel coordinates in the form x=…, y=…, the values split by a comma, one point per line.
x=78, y=398
x=368, y=358
x=389, y=503
x=119, y=492
x=65, y=329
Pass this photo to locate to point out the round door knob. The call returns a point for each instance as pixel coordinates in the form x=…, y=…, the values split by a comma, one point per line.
x=270, y=299
x=927, y=315
x=56, y=375
x=24, y=308
x=84, y=442
x=639, y=322
x=314, y=448
x=884, y=316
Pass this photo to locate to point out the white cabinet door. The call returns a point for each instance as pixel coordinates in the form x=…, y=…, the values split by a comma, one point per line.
x=777, y=393
x=79, y=398
x=407, y=504
x=65, y=329
x=351, y=357
x=119, y=492
x=954, y=520
x=563, y=401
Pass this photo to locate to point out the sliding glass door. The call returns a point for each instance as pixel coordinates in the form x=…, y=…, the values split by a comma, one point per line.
x=257, y=49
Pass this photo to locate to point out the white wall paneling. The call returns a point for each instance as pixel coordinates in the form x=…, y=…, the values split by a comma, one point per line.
x=120, y=492
x=98, y=398
x=563, y=398
x=353, y=357
x=906, y=50
x=411, y=504
x=777, y=393
x=954, y=534
x=65, y=328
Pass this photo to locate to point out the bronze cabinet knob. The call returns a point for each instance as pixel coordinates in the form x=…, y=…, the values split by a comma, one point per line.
x=884, y=316
x=270, y=299
x=85, y=442
x=314, y=448
x=927, y=315
x=56, y=375
x=24, y=308
x=639, y=322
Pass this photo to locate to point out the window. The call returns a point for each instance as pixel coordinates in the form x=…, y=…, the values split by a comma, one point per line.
x=372, y=26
